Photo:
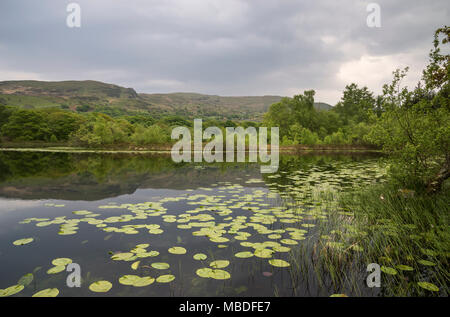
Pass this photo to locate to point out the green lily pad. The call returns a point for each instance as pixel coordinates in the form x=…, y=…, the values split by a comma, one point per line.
x=61, y=261
x=200, y=256
x=100, y=286
x=219, y=264
x=122, y=256
x=144, y=281
x=204, y=272
x=244, y=254
x=177, y=250
x=56, y=269
x=128, y=279
x=23, y=241
x=12, y=290
x=165, y=278
x=49, y=292
x=219, y=275
x=278, y=263
x=160, y=265
x=263, y=253
x=135, y=265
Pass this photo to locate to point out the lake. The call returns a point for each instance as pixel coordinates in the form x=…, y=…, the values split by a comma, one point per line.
x=151, y=227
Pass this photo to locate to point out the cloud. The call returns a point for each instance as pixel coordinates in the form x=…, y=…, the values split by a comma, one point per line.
x=233, y=47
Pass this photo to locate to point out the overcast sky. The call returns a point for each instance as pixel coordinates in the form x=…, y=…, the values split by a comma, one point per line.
x=223, y=47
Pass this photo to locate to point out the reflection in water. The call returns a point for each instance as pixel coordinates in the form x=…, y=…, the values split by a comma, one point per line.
x=96, y=208
x=69, y=176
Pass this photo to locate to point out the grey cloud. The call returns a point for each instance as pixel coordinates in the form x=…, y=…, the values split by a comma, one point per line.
x=230, y=47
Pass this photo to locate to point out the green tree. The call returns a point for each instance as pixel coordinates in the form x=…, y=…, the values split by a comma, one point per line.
x=414, y=126
x=26, y=125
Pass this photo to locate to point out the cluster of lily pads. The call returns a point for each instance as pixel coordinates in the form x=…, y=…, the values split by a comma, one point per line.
x=251, y=219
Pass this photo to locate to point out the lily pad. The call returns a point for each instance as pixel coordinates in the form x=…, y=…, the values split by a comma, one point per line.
x=100, y=286
x=135, y=265
x=122, y=256
x=219, y=264
x=160, y=265
x=278, y=263
x=177, y=250
x=165, y=278
x=263, y=253
x=61, y=261
x=200, y=257
x=244, y=254
x=23, y=241
x=49, y=292
x=219, y=275
x=56, y=269
x=12, y=290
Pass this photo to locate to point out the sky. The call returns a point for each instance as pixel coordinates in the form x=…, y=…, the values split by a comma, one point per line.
x=220, y=47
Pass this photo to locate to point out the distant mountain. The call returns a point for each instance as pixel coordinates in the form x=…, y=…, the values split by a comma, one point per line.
x=116, y=100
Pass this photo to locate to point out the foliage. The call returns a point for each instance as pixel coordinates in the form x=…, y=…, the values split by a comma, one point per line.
x=414, y=126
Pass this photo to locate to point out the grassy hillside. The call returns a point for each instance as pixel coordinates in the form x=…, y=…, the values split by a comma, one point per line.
x=83, y=96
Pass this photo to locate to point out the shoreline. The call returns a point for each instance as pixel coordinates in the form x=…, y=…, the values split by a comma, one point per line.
x=165, y=150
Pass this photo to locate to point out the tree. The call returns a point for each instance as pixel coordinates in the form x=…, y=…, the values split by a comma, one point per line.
x=355, y=104
x=414, y=125
x=26, y=125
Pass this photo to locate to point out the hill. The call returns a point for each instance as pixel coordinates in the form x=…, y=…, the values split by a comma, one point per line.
x=83, y=96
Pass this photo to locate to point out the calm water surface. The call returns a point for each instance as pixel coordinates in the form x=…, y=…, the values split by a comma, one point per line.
x=218, y=210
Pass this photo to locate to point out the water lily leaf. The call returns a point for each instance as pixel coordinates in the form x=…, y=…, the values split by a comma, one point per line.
x=219, y=264
x=100, y=286
x=177, y=250
x=389, y=270
x=49, y=292
x=144, y=281
x=26, y=279
x=428, y=286
x=135, y=265
x=200, y=257
x=128, y=279
x=288, y=241
x=61, y=261
x=278, y=263
x=56, y=269
x=12, y=290
x=23, y=241
x=281, y=249
x=219, y=275
x=244, y=254
x=122, y=256
x=160, y=265
x=165, y=278
x=263, y=253
x=204, y=272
